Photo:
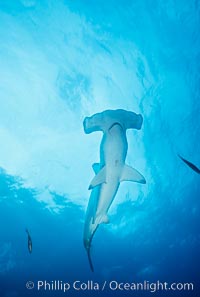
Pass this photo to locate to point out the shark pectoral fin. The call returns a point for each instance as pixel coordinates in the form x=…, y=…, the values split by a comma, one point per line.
x=96, y=167
x=100, y=178
x=131, y=174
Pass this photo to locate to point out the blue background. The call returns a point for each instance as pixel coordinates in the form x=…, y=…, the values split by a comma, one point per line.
x=59, y=62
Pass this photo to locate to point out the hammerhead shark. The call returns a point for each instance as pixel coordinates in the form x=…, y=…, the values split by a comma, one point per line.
x=112, y=168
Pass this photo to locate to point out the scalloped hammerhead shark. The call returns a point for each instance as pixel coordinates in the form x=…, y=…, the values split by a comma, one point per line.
x=112, y=168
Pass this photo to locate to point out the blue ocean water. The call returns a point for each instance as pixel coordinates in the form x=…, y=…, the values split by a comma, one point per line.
x=61, y=61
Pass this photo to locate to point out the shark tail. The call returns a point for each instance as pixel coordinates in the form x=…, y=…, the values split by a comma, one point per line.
x=90, y=260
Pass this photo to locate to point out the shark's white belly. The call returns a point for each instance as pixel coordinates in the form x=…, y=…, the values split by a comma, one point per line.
x=113, y=155
x=107, y=194
x=113, y=149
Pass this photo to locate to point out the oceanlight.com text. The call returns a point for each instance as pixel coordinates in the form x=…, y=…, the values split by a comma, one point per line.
x=114, y=285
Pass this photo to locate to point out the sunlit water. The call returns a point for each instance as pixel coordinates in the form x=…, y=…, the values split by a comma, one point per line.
x=59, y=62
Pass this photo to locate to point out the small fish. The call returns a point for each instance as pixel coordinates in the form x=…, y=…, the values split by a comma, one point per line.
x=192, y=166
x=29, y=242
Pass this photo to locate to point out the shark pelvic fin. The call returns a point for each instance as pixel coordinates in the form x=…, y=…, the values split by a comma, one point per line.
x=100, y=178
x=102, y=219
x=131, y=174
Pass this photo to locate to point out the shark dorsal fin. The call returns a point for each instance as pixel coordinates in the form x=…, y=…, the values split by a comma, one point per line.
x=96, y=167
x=131, y=174
x=99, y=179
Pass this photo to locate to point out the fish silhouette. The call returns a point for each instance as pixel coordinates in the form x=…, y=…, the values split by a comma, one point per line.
x=191, y=165
x=30, y=245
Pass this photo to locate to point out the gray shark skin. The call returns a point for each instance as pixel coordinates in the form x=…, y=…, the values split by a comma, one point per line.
x=112, y=168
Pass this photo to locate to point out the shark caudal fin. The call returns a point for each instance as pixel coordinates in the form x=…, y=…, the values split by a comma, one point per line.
x=90, y=259
x=131, y=174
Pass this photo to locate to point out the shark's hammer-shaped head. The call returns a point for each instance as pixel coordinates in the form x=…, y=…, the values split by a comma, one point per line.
x=104, y=120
